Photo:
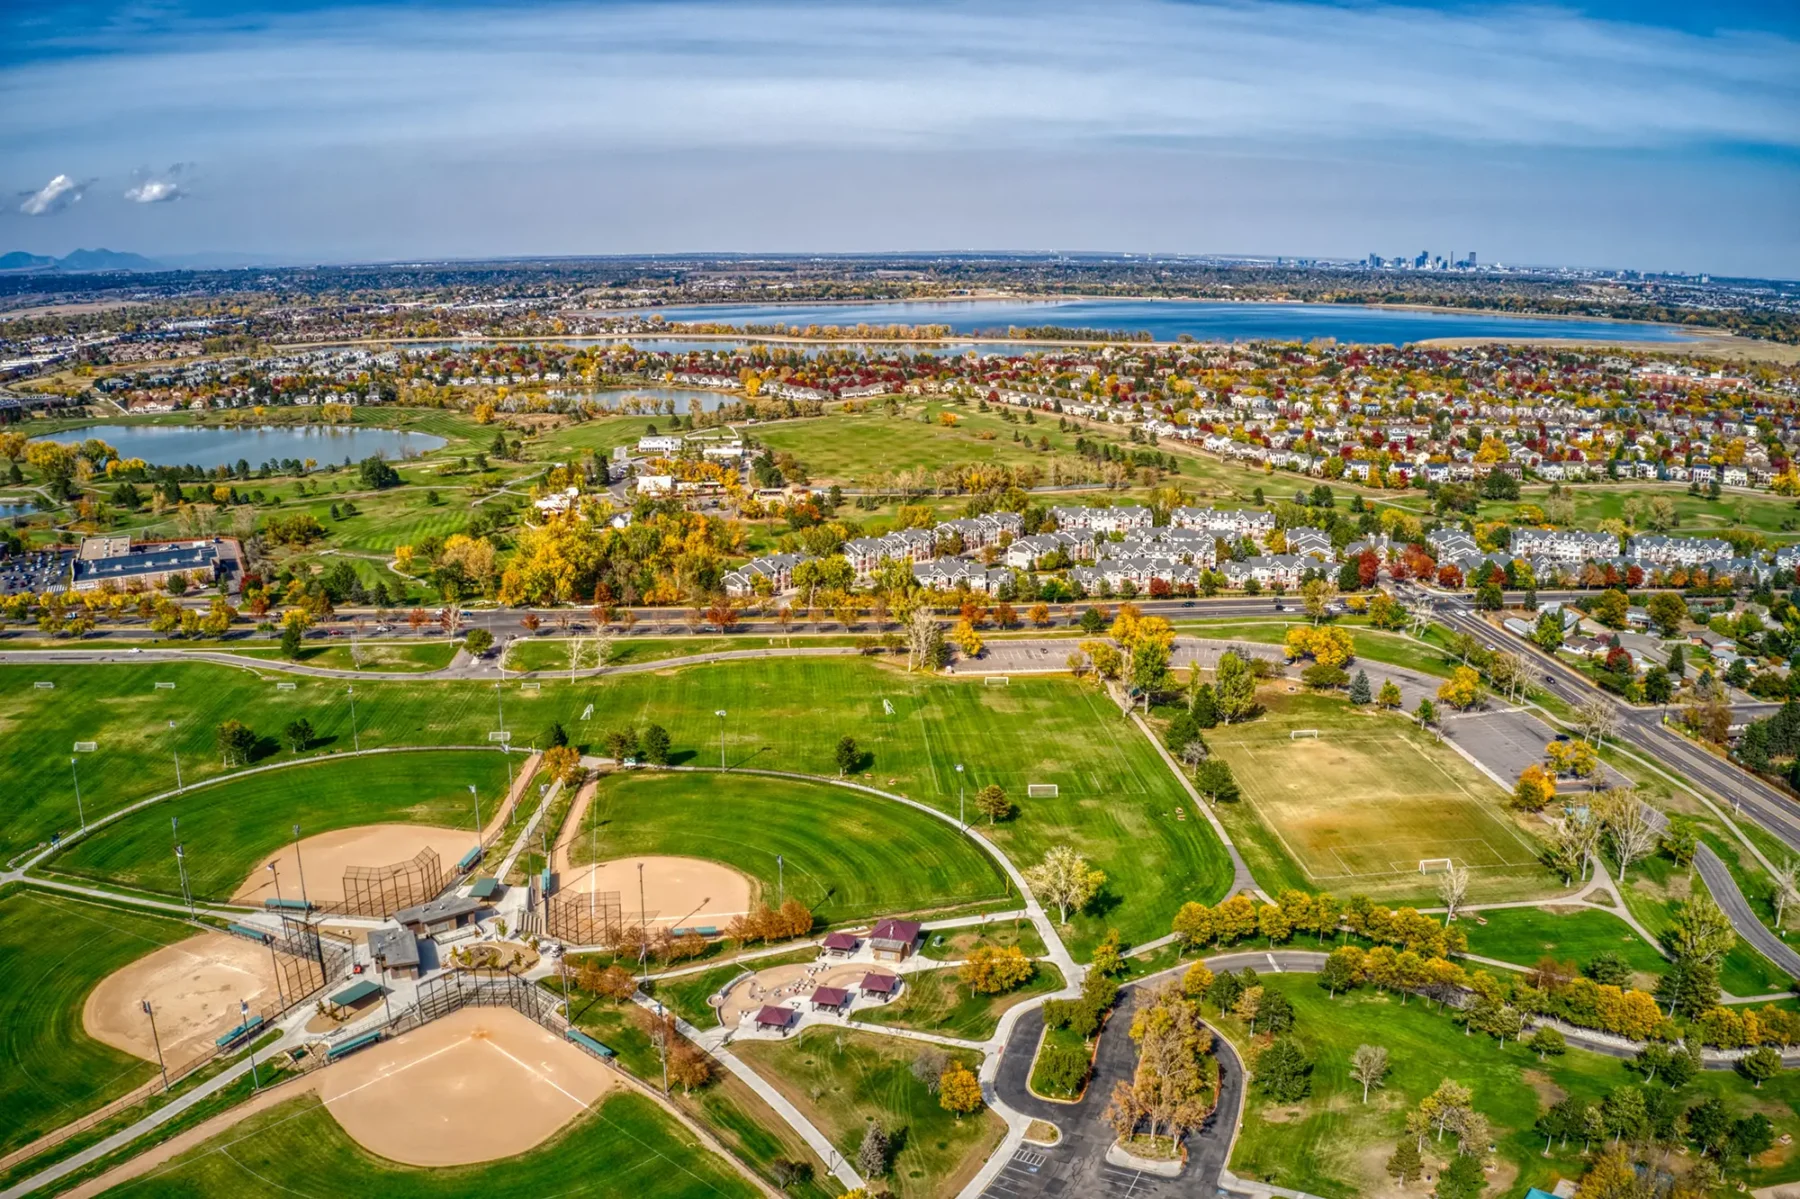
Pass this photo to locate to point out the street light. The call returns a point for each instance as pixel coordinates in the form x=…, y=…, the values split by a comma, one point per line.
x=959, y=797
x=82, y=815
x=721, y=715
x=243, y=1019
x=176, y=750
x=355, y=741
x=381, y=964
x=181, y=863
x=477, y=799
x=500, y=706
x=276, y=874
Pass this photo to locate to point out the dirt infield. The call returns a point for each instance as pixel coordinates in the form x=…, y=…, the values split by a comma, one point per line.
x=691, y=892
x=326, y=855
x=194, y=985
x=479, y=1084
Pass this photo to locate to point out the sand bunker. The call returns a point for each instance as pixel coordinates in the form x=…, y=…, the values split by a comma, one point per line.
x=325, y=856
x=690, y=892
x=479, y=1084
x=194, y=985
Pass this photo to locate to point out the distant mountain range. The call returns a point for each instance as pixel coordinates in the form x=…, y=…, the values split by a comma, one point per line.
x=80, y=260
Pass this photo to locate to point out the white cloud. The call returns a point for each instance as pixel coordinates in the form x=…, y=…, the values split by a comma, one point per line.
x=153, y=188
x=53, y=197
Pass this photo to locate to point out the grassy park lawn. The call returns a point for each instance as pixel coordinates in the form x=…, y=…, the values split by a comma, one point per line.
x=53, y=951
x=1333, y=1145
x=1355, y=809
x=843, y=1080
x=1117, y=802
x=740, y=1118
x=126, y=715
x=1578, y=934
x=954, y=944
x=296, y=1148
x=848, y=856
x=398, y=657
x=1654, y=889
x=935, y=1001
x=230, y=826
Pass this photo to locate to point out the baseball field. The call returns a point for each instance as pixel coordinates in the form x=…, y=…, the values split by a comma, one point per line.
x=54, y=951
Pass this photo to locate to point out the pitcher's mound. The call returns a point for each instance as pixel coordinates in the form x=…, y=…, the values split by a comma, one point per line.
x=690, y=892
x=479, y=1084
x=194, y=987
x=325, y=857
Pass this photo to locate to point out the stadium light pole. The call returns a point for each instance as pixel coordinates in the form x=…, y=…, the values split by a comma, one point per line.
x=662, y=1038
x=721, y=715
x=157, y=1041
x=276, y=874
x=82, y=815
x=500, y=707
x=387, y=1004
x=244, y=1018
x=643, y=930
x=181, y=867
x=300, y=866
x=355, y=740
x=176, y=750
x=963, y=824
x=477, y=799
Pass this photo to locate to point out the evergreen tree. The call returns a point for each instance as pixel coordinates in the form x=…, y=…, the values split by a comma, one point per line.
x=1205, y=710
x=1405, y=1165
x=1360, y=691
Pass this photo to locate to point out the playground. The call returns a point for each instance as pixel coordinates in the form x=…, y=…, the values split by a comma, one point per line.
x=194, y=986
x=476, y=1085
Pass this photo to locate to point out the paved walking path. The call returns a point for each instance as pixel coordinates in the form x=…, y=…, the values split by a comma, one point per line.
x=1724, y=888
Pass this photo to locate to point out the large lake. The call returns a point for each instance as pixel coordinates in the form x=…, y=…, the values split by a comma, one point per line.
x=189, y=445
x=1166, y=320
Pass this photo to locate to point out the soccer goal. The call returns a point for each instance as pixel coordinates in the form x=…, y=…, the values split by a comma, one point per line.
x=1296, y=734
x=1435, y=865
x=1041, y=790
x=500, y=737
x=996, y=680
x=45, y=686
x=284, y=686
x=531, y=686
x=165, y=686
x=587, y=713
x=887, y=705
x=86, y=747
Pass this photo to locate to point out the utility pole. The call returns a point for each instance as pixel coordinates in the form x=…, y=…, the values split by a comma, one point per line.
x=82, y=815
x=721, y=715
x=500, y=707
x=157, y=1041
x=662, y=1043
x=381, y=964
x=181, y=866
x=961, y=823
x=477, y=799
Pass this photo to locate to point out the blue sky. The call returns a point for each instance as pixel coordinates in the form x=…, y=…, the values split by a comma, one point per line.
x=1647, y=134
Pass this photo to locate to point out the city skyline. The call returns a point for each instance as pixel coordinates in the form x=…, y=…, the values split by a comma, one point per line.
x=1597, y=136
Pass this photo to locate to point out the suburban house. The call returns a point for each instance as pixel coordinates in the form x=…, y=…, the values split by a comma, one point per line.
x=1102, y=520
x=1026, y=552
x=902, y=545
x=778, y=569
x=1268, y=570
x=1564, y=545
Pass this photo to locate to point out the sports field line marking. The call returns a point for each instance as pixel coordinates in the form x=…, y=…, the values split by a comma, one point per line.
x=539, y=1075
x=1471, y=798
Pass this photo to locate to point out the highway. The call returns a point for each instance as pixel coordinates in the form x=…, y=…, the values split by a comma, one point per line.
x=1643, y=730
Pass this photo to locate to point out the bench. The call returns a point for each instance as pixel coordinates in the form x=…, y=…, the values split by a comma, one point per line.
x=240, y=1033
x=590, y=1044
x=468, y=860
x=361, y=1041
x=244, y=930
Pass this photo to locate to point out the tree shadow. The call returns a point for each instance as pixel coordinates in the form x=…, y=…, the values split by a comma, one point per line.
x=264, y=747
x=681, y=757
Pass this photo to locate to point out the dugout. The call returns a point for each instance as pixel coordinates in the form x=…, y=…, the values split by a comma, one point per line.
x=356, y=995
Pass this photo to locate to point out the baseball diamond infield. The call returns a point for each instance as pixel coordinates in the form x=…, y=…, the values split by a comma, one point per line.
x=689, y=892
x=194, y=986
x=326, y=856
x=479, y=1084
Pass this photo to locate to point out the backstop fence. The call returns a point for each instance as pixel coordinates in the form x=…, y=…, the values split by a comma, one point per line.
x=439, y=997
x=379, y=891
x=585, y=917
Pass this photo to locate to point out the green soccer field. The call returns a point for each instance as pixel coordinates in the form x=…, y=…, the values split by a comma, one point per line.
x=53, y=951
x=846, y=856
x=1369, y=797
x=230, y=826
x=1115, y=801
x=626, y=1146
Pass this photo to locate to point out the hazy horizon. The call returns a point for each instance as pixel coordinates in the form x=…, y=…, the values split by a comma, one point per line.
x=1603, y=135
